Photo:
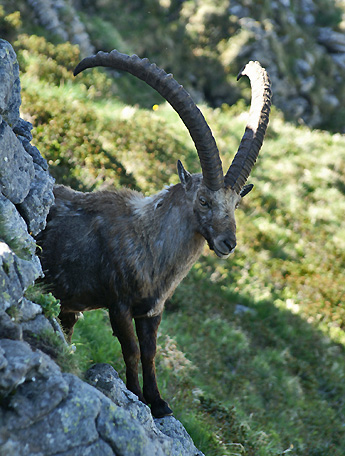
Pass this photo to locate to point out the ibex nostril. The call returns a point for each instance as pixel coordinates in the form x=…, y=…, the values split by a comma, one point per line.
x=230, y=244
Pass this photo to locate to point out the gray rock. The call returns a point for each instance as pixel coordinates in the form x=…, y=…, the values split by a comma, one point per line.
x=333, y=41
x=240, y=309
x=16, y=275
x=7, y=446
x=11, y=287
x=23, y=128
x=303, y=67
x=47, y=15
x=99, y=448
x=123, y=434
x=308, y=19
x=9, y=329
x=70, y=422
x=61, y=18
x=27, y=310
x=9, y=84
x=183, y=444
x=37, y=325
x=13, y=230
x=339, y=59
x=169, y=435
x=36, y=205
x=34, y=152
x=63, y=415
x=17, y=364
x=239, y=10
x=307, y=84
x=105, y=378
x=16, y=166
x=59, y=332
x=329, y=99
x=35, y=399
x=49, y=413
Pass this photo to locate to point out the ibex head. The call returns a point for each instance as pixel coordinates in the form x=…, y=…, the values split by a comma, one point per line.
x=214, y=211
x=213, y=195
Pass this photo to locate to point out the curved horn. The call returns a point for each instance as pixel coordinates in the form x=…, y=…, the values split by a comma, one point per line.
x=253, y=137
x=179, y=99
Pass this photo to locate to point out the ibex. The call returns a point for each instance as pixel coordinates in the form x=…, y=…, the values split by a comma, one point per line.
x=126, y=252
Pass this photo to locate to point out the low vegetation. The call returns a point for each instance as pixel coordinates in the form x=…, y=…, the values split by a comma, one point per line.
x=251, y=350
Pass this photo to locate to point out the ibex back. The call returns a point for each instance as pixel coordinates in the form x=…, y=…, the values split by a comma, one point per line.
x=126, y=252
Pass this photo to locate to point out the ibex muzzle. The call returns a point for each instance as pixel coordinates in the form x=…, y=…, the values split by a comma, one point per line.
x=127, y=252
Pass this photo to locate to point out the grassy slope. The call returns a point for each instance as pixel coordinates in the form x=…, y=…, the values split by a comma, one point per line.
x=266, y=381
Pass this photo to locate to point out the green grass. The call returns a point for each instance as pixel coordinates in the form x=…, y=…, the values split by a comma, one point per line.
x=266, y=381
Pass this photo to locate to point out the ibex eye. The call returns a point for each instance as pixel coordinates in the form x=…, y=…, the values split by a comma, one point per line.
x=202, y=201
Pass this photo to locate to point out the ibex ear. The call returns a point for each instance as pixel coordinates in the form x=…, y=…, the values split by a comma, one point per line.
x=246, y=189
x=183, y=174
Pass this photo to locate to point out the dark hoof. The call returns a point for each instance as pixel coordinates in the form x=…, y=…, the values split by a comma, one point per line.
x=160, y=408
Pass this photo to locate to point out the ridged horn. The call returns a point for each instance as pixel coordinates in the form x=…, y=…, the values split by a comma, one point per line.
x=179, y=99
x=253, y=137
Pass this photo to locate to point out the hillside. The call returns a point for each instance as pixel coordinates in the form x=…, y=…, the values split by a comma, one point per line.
x=204, y=43
x=251, y=350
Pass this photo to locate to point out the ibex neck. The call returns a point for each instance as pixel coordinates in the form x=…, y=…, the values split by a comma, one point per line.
x=166, y=220
x=171, y=245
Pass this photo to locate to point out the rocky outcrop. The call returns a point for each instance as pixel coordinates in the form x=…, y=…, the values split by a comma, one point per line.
x=44, y=411
x=302, y=44
x=47, y=412
x=23, y=177
x=305, y=58
x=61, y=19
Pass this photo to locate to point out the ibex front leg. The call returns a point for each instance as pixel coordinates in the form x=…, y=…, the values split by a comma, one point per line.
x=147, y=334
x=122, y=324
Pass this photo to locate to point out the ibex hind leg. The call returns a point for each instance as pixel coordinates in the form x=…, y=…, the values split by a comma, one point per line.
x=67, y=321
x=147, y=334
x=123, y=329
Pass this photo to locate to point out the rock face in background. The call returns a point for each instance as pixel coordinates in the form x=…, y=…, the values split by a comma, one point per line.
x=304, y=56
x=205, y=43
x=44, y=411
x=302, y=44
x=60, y=18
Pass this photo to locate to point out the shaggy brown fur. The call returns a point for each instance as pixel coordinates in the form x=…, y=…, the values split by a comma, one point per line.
x=127, y=252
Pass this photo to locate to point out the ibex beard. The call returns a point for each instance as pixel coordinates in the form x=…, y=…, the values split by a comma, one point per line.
x=125, y=252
